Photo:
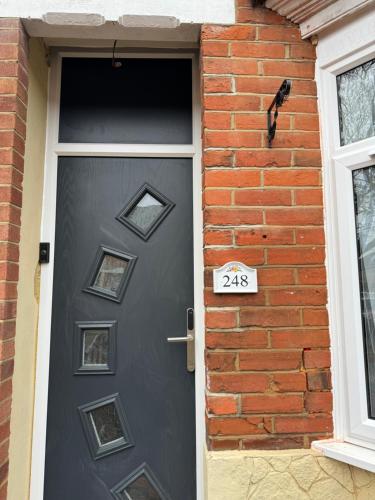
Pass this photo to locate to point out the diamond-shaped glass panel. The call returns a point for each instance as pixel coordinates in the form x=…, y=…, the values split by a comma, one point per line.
x=106, y=424
x=110, y=273
x=145, y=211
x=95, y=348
x=140, y=489
x=141, y=484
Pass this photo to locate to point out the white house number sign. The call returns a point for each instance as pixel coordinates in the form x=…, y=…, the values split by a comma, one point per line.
x=235, y=277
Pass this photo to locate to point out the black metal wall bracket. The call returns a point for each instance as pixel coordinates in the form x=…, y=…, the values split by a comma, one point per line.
x=43, y=253
x=281, y=96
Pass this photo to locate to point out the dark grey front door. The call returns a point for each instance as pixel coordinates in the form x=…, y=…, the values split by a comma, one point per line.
x=121, y=402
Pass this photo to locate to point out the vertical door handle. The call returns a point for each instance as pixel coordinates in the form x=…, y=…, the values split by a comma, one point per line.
x=189, y=339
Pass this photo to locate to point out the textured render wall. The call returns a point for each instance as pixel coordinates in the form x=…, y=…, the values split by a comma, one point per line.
x=284, y=475
x=13, y=101
x=268, y=358
x=28, y=285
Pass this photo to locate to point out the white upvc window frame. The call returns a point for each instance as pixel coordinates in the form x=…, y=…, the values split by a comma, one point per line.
x=354, y=432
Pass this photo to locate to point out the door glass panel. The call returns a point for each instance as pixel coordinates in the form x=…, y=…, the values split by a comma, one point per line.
x=364, y=199
x=95, y=347
x=110, y=274
x=146, y=211
x=140, y=489
x=106, y=424
x=356, y=98
x=145, y=101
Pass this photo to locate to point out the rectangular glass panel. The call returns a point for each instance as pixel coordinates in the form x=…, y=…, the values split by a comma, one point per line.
x=106, y=424
x=356, y=98
x=95, y=348
x=145, y=101
x=110, y=273
x=364, y=199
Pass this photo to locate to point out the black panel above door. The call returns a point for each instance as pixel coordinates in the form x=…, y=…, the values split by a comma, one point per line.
x=145, y=101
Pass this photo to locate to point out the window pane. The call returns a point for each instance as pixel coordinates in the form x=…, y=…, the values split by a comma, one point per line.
x=146, y=211
x=356, y=97
x=95, y=347
x=141, y=489
x=110, y=273
x=364, y=198
x=106, y=424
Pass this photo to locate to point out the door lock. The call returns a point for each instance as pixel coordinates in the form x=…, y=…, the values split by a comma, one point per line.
x=189, y=339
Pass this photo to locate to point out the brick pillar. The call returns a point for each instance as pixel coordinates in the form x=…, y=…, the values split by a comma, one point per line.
x=13, y=101
x=267, y=354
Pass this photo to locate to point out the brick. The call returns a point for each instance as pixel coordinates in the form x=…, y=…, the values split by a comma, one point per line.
x=265, y=235
x=303, y=255
x=232, y=178
x=220, y=158
x=232, y=216
x=284, y=443
x=296, y=216
x=288, y=339
x=217, y=120
x=289, y=69
x=312, y=276
x=217, y=84
x=227, y=300
x=218, y=257
x=258, y=50
x=319, y=380
x=289, y=382
x=310, y=236
x=298, y=105
x=6, y=369
x=220, y=66
x=212, y=32
x=231, y=102
x=291, y=178
x=318, y=402
x=306, y=122
x=256, y=121
x=269, y=158
x=279, y=34
x=265, y=197
x=223, y=444
x=298, y=296
x=9, y=36
x=277, y=403
x=302, y=51
x=310, y=423
x=315, y=317
x=307, y=159
x=221, y=361
x=231, y=139
x=269, y=317
x=317, y=359
x=238, y=382
x=270, y=360
x=217, y=49
x=255, y=339
x=309, y=197
x=235, y=426
x=222, y=237
x=299, y=139
x=5, y=389
x=217, y=197
x=221, y=319
x=275, y=276
x=222, y=405
x=259, y=15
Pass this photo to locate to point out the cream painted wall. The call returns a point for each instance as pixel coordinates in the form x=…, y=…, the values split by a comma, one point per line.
x=28, y=287
x=284, y=475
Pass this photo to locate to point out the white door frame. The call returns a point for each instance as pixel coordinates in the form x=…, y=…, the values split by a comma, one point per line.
x=54, y=149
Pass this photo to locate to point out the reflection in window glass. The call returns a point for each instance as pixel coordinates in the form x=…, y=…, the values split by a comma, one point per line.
x=356, y=97
x=95, y=348
x=145, y=212
x=140, y=489
x=106, y=424
x=364, y=199
x=110, y=274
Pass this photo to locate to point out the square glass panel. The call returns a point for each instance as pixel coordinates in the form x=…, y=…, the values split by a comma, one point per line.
x=95, y=348
x=364, y=203
x=356, y=99
x=146, y=211
x=106, y=424
x=110, y=273
x=141, y=484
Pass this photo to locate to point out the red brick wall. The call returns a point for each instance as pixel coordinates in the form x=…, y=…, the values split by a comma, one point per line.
x=268, y=379
x=13, y=101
